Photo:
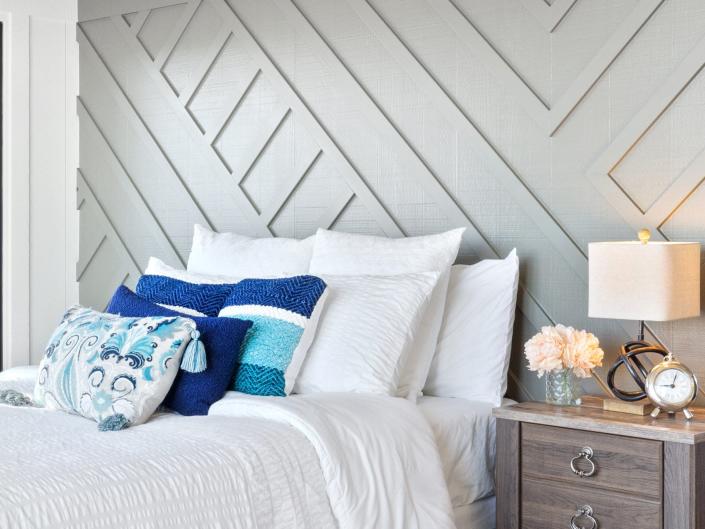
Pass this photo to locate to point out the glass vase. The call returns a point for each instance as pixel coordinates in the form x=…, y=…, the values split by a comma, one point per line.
x=562, y=388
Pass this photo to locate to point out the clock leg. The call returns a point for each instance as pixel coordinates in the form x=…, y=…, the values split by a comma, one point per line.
x=688, y=414
x=655, y=412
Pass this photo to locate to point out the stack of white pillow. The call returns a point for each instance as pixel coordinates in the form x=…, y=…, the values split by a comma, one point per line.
x=399, y=319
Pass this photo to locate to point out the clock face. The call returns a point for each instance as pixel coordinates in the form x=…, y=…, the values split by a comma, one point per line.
x=673, y=386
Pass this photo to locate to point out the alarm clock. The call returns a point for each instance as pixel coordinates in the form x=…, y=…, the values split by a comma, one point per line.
x=671, y=386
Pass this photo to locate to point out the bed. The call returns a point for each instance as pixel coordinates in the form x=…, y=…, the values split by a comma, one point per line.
x=326, y=428
x=302, y=462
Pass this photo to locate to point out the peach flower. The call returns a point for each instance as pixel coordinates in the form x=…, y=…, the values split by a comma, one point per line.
x=545, y=351
x=562, y=347
x=582, y=353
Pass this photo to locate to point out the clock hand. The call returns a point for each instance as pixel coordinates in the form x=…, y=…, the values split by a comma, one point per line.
x=667, y=386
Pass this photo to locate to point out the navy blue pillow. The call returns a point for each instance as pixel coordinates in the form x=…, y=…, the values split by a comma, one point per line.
x=194, y=299
x=193, y=393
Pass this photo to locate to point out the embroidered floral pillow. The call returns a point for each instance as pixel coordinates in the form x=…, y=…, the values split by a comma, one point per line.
x=113, y=370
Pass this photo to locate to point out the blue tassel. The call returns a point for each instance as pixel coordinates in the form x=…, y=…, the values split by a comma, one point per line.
x=15, y=398
x=113, y=423
x=194, y=360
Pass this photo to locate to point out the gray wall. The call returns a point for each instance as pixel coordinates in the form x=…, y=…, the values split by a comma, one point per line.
x=538, y=125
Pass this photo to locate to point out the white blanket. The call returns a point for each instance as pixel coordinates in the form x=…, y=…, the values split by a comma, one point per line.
x=320, y=461
x=378, y=455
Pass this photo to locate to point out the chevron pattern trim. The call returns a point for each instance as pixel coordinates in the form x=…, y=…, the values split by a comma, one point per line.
x=259, y=380
x=207, y=300
x=298, y=294
x=537, y=125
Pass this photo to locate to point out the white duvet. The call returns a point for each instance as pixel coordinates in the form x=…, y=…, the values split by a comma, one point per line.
x=315, y=461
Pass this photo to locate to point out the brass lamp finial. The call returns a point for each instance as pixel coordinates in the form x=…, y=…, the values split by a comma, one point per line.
x=644, y=236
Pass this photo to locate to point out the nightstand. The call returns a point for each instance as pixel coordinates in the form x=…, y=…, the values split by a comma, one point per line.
x=624, y=471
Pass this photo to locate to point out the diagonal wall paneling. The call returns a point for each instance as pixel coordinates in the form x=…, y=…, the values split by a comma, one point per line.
x=394, y=117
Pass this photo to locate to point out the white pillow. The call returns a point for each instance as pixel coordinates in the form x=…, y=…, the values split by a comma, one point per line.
x=229, y=254
x=157, y=267
x=364, y=331
x=347, y=253
x=474, y=345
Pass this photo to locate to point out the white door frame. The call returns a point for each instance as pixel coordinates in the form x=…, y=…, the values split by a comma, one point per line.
x=15, y=16
x=15, y=187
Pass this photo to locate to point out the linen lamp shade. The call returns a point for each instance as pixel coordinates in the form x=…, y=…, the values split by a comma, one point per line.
x=652, y=281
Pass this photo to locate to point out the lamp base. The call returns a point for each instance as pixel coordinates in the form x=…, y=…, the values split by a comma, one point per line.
x=633, y=408
x=592, y=401
x=629, y=359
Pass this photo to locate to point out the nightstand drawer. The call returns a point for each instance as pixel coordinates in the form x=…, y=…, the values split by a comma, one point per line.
x=550, y=505
x=620, y=463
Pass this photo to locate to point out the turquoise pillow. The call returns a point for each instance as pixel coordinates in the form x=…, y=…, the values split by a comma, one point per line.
x=284, y=314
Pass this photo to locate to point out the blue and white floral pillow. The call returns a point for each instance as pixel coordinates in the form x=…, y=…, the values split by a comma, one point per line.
x=284, y=313
x=113, y=370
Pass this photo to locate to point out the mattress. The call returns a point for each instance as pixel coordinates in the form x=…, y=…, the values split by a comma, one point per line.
x=465, y=433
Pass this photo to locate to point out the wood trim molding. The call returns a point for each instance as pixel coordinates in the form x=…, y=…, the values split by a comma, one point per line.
x=93, y=9
x=347, y=171
x=91, y=62
x=549, y=16
x=15, y=192
x=549, y=119
x=600, y=170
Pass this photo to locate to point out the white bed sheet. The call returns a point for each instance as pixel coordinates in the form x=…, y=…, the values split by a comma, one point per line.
x=465, y=434
x=319, y=461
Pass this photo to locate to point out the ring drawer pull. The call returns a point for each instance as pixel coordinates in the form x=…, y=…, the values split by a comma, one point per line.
x=586, y=453
x=583, y=514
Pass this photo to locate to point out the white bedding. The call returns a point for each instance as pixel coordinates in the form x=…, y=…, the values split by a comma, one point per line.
x=465, y=433
x=58, y=471
x=377, y=453
x=315, y=461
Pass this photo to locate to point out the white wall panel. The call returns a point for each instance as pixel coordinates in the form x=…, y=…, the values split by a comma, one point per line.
x=40, y=155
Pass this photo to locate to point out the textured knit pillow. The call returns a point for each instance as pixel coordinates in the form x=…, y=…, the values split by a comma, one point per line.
x=113, y=370
x=182, y=296
x=285, y=314
x=193, y=393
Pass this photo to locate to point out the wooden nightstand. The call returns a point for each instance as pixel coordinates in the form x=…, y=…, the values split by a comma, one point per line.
x=648, y=473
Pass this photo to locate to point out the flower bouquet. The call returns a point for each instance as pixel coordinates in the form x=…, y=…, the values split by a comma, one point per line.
x=564, y=354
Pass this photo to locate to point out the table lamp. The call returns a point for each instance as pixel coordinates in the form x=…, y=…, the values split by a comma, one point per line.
x=643, y=281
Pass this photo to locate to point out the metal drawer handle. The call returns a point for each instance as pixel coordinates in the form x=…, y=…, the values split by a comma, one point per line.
x=586, y=453
x=584, y=514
